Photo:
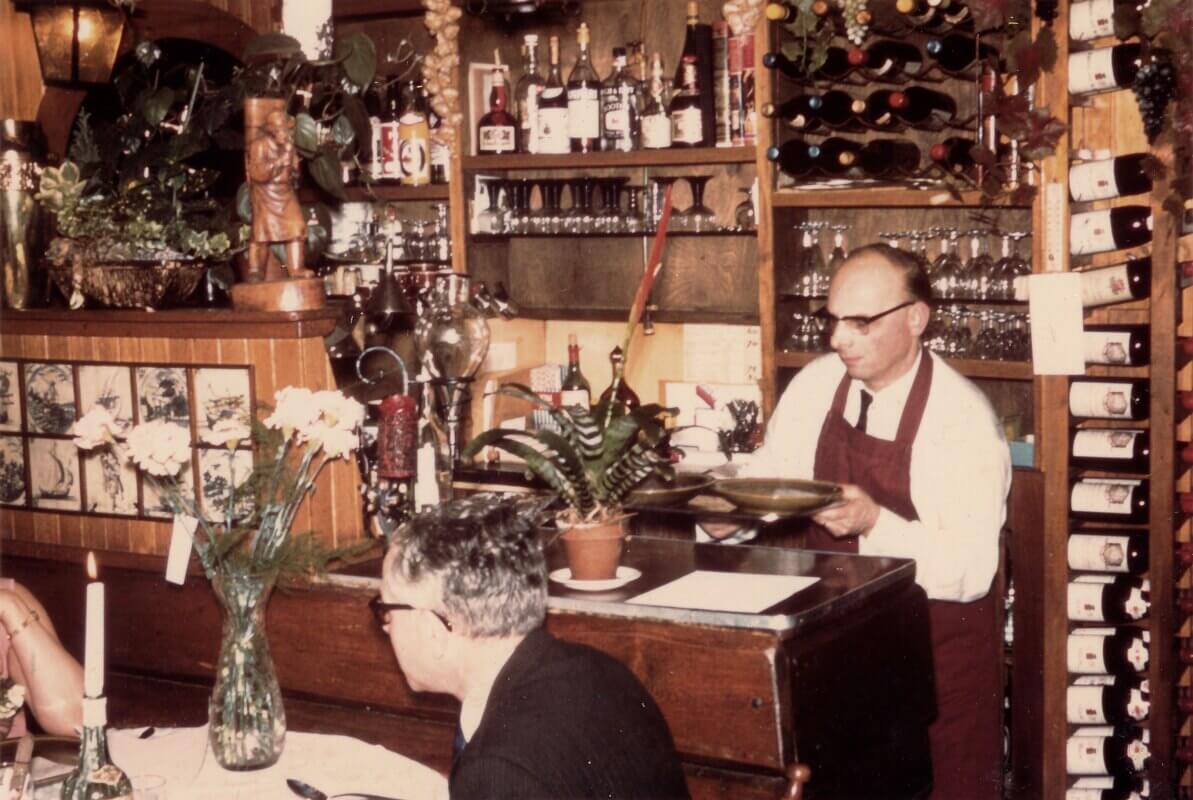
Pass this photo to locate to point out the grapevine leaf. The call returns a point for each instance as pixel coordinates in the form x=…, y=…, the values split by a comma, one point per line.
x=988, y=14
x=1046, y=49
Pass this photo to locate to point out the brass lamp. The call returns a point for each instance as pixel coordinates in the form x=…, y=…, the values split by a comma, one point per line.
x=77, y=41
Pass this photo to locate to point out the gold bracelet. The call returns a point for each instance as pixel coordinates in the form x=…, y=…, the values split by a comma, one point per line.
x=29, y=620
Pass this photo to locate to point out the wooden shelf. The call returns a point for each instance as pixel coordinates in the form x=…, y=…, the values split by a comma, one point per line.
x=877, y=197
x=971, y=367
x=680, y=157
x=501, y=237
x=183, y=323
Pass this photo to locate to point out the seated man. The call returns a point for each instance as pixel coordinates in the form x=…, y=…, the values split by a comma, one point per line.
x=463, y=599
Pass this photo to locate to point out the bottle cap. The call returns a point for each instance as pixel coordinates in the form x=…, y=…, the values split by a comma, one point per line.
x=815, y=103
x=857, y=106
x=776, y=12
x=938, y=152
x=905, y=6
x=846, y=158
x=768, y=59
x=934, y=46
x=772, y=153
x=897, y=100
x=856, y=56
x=814, y=152
x=582, y=34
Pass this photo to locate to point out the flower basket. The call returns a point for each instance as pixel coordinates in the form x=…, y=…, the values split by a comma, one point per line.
x=128, y=284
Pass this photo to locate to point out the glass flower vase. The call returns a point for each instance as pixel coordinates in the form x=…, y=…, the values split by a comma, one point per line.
x=247, y=724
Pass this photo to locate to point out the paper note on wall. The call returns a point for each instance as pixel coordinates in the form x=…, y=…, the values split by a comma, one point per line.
x=722, y=353
x=1056, y=324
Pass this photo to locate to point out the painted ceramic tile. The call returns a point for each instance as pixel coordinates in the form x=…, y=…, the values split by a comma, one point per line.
x=49, y=397
x=221, y=394
x=162, y=394
x=155, y=506
x=10, y=397
x=111, y=483
x=110, y=386
x=12, y=471
x=218, y=473
x=54, y=474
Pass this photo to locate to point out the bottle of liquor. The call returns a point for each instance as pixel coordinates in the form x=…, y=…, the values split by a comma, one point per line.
x=1102, y=651
x=1100, y=398
x=797, y=158
x=839, y=110
x=798, y=112
x=575, y=390
x=687, y=117
x=391, y=167
x=1104, y=598
x=496, y=132
x=1119, y=753
x=781, y=12
x=440, y=151
x=656, y=122
x=1094, y=19
x=1118, y=283
x=1110, y=449
x=375, y=105
x=1112, y=551
x=1109, y=229
x=1119, y=345
x=1108, y=700
x=1104, y=68
x=619, y=107
x=526, y=95
x=1109, y=500
x=877, y=112
x=1111, y=177
x=880, y=158
x=626, y=396
x=414, y=138
x=698, y=45
x=584, y=99
x=553, y=107
x=839, y=155
x=887, y=60
x=957, y=54
x=95, y=777
x=921, y=107
x=836, y=66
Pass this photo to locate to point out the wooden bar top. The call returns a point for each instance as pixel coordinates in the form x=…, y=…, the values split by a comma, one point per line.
x=182, y=323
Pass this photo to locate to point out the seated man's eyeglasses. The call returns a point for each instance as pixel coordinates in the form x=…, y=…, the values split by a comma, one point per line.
x=381, y=611
x=857, y=323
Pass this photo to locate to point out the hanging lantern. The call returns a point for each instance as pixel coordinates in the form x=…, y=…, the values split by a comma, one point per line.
x=77, y=41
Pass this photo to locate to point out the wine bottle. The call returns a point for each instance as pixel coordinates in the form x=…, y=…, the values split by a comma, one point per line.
x=575, y=390
x=1111, y=450
x=1109, y=229
x=957, y=54
x=1118, y=500
x=838, y=110
x=921, y=107
x=584, y=101
x=553, y=107
x=1119, y=345
x=797, y=158
x=414, y=138
x=496, y=133
x=1099, y=398
x=836, y=66
x=781, y=12
x=954, y=154
x=887, y=60
x=1124, y=552
x=441, y=157
x=876, y=112
x=391, y=168
x=698, y=45
x=1104, y=68
x=885, y=157
x=1108, y=700
x=1118, y=283
x=526, y=95
x=1102, y=651
x=656, y=123
x=1106, y=787
x=1093, y=19
x=687, y=118
x=626, y=396
x=1111, y=177
x=838, y=155
x=619, y=107
x=1104, y=598
x=799, y=112
x=375, y=105
x=95, y=777
x=1110, y=754
x=935, y=15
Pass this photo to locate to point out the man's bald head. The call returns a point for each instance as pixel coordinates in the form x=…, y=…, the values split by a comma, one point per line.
x=910, y=267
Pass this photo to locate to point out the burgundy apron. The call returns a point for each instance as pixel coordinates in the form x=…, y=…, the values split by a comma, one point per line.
x=966, y=647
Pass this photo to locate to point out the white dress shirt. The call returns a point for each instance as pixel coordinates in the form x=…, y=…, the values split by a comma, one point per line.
x=960, y=470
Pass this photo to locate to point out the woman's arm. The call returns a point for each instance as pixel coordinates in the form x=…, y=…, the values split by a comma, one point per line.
x=53, y=680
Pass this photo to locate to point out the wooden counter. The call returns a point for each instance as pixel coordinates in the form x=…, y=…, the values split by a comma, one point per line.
x=837, y=677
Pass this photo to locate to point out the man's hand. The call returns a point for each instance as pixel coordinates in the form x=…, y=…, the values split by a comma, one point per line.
x=854, y=515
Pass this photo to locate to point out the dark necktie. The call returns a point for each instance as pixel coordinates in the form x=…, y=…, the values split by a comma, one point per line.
x=862, y=415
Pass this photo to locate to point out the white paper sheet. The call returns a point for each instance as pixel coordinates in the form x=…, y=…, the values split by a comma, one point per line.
x=747, y=593
x=1056, y=324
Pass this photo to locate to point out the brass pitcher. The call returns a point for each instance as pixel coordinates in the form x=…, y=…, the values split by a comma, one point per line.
x=22, y=224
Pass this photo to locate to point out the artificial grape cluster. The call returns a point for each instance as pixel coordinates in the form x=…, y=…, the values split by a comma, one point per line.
x=1154, y=87
x=857, y=20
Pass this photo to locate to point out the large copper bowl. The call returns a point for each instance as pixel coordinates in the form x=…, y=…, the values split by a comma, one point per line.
x=777, y=496
x=130, y=284
x=660, y=492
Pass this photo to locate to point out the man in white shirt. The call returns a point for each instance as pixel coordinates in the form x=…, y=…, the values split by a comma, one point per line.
x=925, y=472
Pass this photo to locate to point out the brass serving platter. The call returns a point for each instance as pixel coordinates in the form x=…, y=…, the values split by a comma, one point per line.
x=773, y=495
x=662, y=493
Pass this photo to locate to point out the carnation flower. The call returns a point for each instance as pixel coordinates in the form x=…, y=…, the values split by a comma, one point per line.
x=159, y=447
x=94, y=429
x=338, y=411
x=12, y=697
x=334, y=442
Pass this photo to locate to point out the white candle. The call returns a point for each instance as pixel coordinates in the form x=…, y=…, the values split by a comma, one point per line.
x=93, y=648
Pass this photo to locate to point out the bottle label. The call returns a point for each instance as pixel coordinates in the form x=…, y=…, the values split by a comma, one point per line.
x=376, y=165
x=584, y=113
x=414, y=149
x=529, y=121
x=1084, y=705
x=1085, y=654
x=1115, y=443
x=1102, y=497
x=1096, y=680
x=574, y=397
x=553, y=129
x=496, y=139
x=656, y=132
x=1099, y=553
x=1085, y=602
x=1091, y=232
x=1107, y=347
x=1091, y=71
x=1137, y=655
x=687, y=125
x=1093, y=180
x=390, y=166
x=1100, y=399
x=1091, y=20
x=1138, y=704
x=1108, y=285
x=1084, y=756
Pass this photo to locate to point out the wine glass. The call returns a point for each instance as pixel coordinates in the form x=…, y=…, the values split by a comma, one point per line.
x=946, y=269
x=839, y=253
x=976, y=274
x=632, y=220
x=658, y=190
x=744, y=214
x=1010, y=265
x=698, y=218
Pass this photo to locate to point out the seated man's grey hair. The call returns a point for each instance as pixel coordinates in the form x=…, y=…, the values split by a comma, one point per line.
x=486, y=551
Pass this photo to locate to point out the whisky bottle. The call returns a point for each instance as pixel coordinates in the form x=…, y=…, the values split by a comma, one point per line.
x=656, y=123
x=619, y=107
x=583, y=99
x=687, y=118
x=526, y=96
x=553, y=107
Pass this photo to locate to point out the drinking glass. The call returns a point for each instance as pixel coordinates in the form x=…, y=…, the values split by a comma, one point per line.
x=633, y=220
x=837, y=256
x=698, y=218
x=978, y=273
x=550, y=217
x=744, y=215
x=658, y=190
x=946, y=269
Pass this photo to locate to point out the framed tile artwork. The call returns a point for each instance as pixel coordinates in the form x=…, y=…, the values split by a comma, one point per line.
x=109, y=386
x=49, y=397
x=219, y=470
x=12, y=471
x=162, y=393
x=10, y=396
x=156, y=505
x=111, y=484
x=220, y=394
x=54, y=474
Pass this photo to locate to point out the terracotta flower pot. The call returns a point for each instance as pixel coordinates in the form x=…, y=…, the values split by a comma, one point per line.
x=593, y=549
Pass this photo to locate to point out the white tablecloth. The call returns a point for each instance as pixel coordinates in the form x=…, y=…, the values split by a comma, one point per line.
x=332, y=764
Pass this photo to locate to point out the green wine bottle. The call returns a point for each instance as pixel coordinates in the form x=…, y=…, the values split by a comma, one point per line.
x=96, y=777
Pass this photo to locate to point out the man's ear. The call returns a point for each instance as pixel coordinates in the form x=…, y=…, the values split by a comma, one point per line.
x=918, y=317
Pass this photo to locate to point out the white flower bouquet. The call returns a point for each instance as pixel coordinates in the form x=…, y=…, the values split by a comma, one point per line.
x=12, y=697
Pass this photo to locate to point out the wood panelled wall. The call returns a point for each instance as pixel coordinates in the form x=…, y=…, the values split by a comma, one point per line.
x=20, y=74
x=332, y=512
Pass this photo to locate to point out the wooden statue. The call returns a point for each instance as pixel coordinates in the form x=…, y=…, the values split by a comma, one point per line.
x=273, y=169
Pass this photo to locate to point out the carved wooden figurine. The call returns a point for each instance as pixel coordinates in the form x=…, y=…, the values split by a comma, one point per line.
x=272, y=166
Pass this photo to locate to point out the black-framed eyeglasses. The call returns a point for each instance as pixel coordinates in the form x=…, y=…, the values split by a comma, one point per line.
x=381, y=610
x=857, y=323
